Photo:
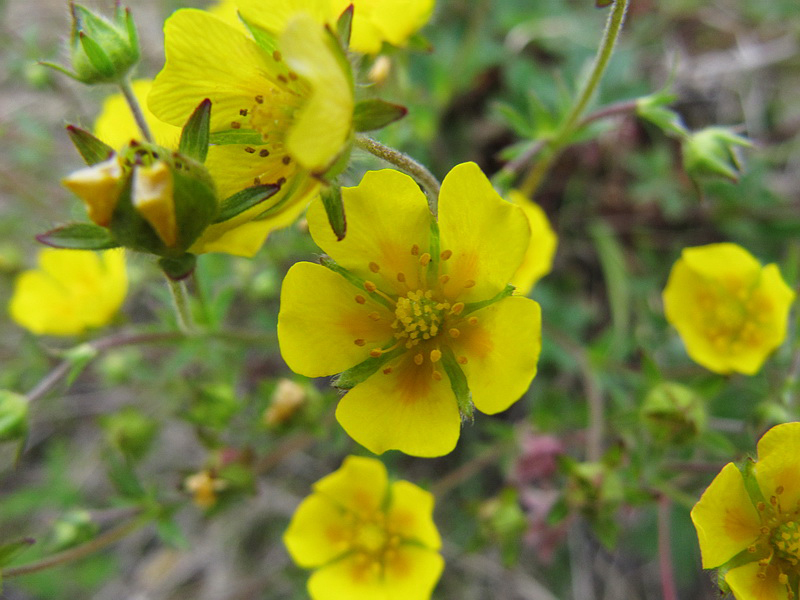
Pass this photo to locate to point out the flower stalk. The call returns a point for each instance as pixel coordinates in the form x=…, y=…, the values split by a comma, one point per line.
x=180, y=302
x=136, y=109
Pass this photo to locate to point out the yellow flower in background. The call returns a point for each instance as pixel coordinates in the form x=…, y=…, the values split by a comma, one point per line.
x=539, y=257
x=756, y=525
x=241, y=236
x=420, y=319
x=374, y=21
x=730, y=312
x=368, y=539
x=71, y=291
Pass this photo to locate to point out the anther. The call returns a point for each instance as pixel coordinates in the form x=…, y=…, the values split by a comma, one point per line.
x=249, y=149
x=425, y=259
x=418, y=359
x=469, y=283
x=360, y=342
x=276, y=55
x=764, y=530
x=286, y=160
x=388, y=370
x=375, y=352
x=472, y=320
x=783, y=578
x=414, y=250
x=374, y=267
x=263, y=153
x=283, y=79
x=256, y=180
x=457, y=308
x=293, y=76
x=462, y=360
x=761, y=506
x=235, y=125
x=454, y=333
x=436, y=355
x=751, y=549
x=436, y=375
x=280, y=181
x=443, y=279
x=369, y=286
x=260, y=99
x=374, y=316
x=773, y=500
x=779, y=490
x=243, y=112
x=360, y=299
x=401, y=277
x=446, y=254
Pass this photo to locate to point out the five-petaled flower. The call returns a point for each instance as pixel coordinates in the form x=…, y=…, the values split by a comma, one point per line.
x=368, y=539
x=748, y=520
x=730, y=312
x=282, y=103
x=416, y=313
x=71, y=291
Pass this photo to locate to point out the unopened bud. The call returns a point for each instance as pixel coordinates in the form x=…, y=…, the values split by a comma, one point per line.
x=673, y=413
x=713, y=152
x=204, y=486
x=288, y=397
x=152, y=197
x=98, y=187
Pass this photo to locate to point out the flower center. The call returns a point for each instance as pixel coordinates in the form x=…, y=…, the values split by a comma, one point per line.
x=419, y=317
x=786, y=540
x=732, y=315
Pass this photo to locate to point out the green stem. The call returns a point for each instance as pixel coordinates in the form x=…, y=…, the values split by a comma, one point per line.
x=136, y=109
x=405, y=163
x=665, y=551
x=180, y=302
x=572, y=121
x=82, y=551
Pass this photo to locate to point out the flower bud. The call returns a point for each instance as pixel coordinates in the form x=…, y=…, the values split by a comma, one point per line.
x=99, y=187
x=204, y=486
x=713, y=152
x=130, y=431
x=13, y=416
x=286, y=400
x=74, y=528
x=673, y=413
x=102, y=50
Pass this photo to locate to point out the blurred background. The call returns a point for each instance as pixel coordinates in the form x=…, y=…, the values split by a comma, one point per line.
x=521, y=514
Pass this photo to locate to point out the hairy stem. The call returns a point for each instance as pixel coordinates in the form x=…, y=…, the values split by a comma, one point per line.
x=180, y=302
x=665, y=551
x=572, y=121
x=136, y=109
x=405, y=163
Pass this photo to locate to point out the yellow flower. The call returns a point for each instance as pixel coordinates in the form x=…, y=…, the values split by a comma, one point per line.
x=539, y=257
x=71, y=291
x=374, y=21
x=751, y=518
x=241, y=236
x=366, y=538
x=419, y=317
x=730, y=312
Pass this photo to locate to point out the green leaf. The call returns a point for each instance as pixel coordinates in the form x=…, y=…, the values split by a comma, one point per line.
x=612, y=260
x=558, y=512
x=10, y=550
x=332, y=201
x=79, y=357
x=124, y=479
x=97, y=56
x=458, y=382
x=344, y=26
x=236, y=136
x=376, y=114
x=78, y=236
x=244, y=200
x=355, y=375
x=90, y=148
x=171, y=534
x=13, y=416
x=194, y=136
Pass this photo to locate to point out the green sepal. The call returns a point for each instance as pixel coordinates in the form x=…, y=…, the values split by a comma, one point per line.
x=653, y=108
x=245, y=200
x=96, y=55
x=78, y=236
x=327, y=261
x=434, y=248
x=265, y=39
x=355, y=375
x=344, y=26
x=13, y=416
x=129, y=228
x=194, y=135
x=10, y=550
x=331, y=197
x=177, y=268
x=60, y=68
x=236, y=136
x=712, y=152
x=92, y=149
x=473, y=306
x=375, y=113
x=195, y=206
x=458, y=382
x=419, y=43
x=340, y=54
x=748, y=471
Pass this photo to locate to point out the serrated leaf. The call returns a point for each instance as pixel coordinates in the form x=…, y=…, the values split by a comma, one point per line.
x=92, y=149
x=344, y=26
x=194, y=136
x=236, y=136
x=79, y=236
x=244, y=200
x=376, y=114
x=332, y=201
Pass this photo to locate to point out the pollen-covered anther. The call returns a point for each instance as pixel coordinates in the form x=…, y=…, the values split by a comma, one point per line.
x=446, y=254
x=462, y=360
x=401, y=277
x=443, y=279
x=369, y=286
x=457, y=308
x=374, y=316
x=387, y=370
x=375, y=352
x=761, y=506
x=276, y=55
x=374, y=267
x=249, y=149
x=259, y=99
x=437, y=375
x=415, y=250
x=360, y=342
x=469, y=283
x=424, y=259
x=779, y=490
x=360, y=299
x=236, y=125
x=436, y=355
x=263, y=153
x=454, y=333
x=472, y=320
x=419, y=359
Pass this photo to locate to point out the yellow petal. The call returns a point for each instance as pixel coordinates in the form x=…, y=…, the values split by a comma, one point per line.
x=714, y=259
x=746, y=585
x=317, y=532
x=116, y=126
x=502, y=349
x=233, y=168
x=725, y=518
x=538, y=258
x=487, y=235
x=320, y=321
x=406, y=409
x=412, y=573
x=346, y=578
x=99, y=187
x=410, y=515
x=359, y=485
x=274, y=16
x=387, y=215
x=151, y=195
x=324, y=123
x=777, y=464
x=222, y=65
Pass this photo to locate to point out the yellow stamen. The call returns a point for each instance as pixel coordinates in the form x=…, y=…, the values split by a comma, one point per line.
x=374, y=316
x=457, y=308
x=374, y=267
x=425, y=259
x=454, y=333
x=472, y=320
x=443, y=279
x=446, y=254
x=360, y=299
x=360, y=342
x=375, y=352
x=436, y=375
x=462, y=360
x=436, y=355
x=418, y=359
x=414, y=250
